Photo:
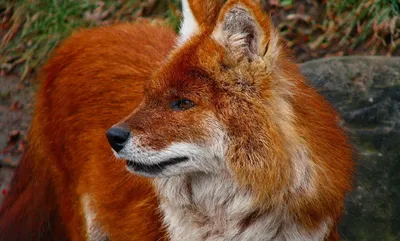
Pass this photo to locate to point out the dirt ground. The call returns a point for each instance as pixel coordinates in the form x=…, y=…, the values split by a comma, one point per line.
x=15, y=115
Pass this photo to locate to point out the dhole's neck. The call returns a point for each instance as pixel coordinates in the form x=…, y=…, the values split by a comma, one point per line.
x=211, y=207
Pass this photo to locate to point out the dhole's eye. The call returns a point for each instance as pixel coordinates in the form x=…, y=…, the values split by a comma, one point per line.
x=181, y=104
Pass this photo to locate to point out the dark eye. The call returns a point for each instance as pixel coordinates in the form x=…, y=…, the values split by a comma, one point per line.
x=181, y=104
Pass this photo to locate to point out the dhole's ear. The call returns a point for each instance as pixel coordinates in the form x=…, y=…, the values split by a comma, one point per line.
x=246, y=32
x=196, y=15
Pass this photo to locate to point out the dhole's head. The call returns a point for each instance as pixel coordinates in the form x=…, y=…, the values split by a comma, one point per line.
x=219, y=103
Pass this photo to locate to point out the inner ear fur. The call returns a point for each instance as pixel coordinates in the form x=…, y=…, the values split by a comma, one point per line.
x=245, y=31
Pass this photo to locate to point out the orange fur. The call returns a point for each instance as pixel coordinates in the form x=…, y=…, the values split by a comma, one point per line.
x=94, y=79
x=205, y=11
x=97, y=77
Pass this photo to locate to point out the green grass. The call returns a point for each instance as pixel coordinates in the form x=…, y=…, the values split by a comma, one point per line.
x=31, y=29
x=37, y=28
x=376, y=23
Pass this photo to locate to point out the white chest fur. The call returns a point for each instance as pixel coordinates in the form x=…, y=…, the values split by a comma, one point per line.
x=93, y=230
x=211, y=207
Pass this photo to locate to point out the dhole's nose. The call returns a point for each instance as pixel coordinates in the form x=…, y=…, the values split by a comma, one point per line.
x=117, y=136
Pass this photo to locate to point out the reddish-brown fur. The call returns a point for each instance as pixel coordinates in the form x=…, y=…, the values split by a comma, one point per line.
x=205, y=12
x=97, y=78
x=94, y=79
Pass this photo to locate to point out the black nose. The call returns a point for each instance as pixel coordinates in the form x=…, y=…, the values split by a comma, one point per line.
x=117, y=136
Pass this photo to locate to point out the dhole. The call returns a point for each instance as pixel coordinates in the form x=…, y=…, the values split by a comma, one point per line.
x=236, y=144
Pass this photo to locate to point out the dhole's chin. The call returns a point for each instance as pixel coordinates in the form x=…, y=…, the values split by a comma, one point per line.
x=179, y=158
x=154, y=170
x=176, y=159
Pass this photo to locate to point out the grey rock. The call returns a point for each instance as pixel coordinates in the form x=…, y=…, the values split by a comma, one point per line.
x=366, y=92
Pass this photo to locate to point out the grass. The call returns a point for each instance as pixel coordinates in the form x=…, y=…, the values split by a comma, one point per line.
x=376, y=23
x=31, y=29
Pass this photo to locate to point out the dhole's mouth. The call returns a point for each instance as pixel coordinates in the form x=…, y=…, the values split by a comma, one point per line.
x=154, y=168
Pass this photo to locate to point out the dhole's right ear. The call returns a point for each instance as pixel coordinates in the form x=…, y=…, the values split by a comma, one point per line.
x=196, y=15
x=246, y=32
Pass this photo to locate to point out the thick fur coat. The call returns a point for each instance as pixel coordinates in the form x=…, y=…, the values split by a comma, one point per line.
x=226, y=140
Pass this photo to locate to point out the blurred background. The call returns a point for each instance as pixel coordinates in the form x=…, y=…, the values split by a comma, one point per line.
x=346, y=48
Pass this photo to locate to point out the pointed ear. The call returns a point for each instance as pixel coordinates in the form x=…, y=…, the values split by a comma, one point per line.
x=246, y=32
x=198, y=14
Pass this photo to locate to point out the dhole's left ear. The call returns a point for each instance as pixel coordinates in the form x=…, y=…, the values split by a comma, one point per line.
x=196, y=15
x=246, y=32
